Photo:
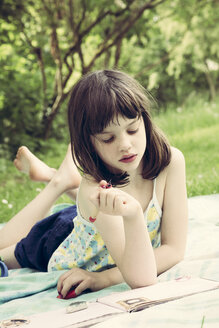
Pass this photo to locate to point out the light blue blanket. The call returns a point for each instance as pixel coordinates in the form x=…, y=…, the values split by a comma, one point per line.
x=27, y=292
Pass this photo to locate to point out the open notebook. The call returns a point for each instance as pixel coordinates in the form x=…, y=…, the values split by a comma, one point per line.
x=142, y=298
x=85, y=314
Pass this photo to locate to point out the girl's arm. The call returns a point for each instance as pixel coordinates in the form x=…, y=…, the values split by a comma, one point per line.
x=174, y=219
x=175, y=215
x=120, y=221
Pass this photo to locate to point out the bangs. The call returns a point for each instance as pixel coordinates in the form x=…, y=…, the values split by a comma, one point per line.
x=107, y=101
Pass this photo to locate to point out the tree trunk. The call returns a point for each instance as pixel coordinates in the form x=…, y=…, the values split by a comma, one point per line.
x=210, y=81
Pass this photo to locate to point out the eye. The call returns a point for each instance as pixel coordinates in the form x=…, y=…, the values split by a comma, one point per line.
x=132, y=131
x=108, y=140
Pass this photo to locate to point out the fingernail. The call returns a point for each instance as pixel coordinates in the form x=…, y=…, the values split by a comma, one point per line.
x=92, y=220
x=70, y=294
x=106, y=186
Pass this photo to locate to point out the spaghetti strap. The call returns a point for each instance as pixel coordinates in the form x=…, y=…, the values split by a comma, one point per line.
x=154, y=188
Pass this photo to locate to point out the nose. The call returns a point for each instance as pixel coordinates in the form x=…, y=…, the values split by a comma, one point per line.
x=124, y=143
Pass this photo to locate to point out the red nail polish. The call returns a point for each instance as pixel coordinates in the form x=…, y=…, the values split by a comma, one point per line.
x=107, y=186
x=103, y=186
x=71, y=294
x=92, y=220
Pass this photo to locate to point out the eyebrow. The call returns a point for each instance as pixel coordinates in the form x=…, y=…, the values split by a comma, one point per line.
x=108, y=132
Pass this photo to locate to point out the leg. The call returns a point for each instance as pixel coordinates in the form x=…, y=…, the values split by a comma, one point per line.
x=37, y=170
x=27, y=162
x=9, y=257
x=19, y=226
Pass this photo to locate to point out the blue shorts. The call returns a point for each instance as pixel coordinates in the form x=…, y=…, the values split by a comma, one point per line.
x=35, y=250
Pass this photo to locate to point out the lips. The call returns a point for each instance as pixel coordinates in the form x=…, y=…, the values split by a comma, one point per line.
x=128, y=158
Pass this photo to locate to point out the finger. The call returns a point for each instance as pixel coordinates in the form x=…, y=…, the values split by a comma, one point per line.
x=63, y=277
x=103, y=183
x=107, y=199
x=110, y=199
x=85, y=284
x=68, y=284
x=103, y=198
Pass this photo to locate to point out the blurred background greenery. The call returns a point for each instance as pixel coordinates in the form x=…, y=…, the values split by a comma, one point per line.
x=170, y=47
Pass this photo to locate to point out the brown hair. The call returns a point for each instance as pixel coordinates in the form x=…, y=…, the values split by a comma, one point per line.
x=97, y=99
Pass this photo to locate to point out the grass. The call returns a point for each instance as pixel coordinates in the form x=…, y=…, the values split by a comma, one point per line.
x=194, y=129
x=16, y=189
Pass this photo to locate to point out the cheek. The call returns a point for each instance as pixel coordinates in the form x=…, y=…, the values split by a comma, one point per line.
x=100, y=148
x=142, y=136
x=105, y=153
x=96, y=145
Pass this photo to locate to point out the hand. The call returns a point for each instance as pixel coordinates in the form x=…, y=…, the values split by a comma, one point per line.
x=113, y=201
x=83, y=280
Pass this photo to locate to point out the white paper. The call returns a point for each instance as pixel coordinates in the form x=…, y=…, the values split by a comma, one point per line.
x=61, y=319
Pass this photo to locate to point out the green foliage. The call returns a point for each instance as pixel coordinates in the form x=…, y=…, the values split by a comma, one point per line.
x=19, y=107
x=45, y=46
x=175, y=50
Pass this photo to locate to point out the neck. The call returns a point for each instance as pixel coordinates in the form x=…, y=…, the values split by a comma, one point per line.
x=136, y=176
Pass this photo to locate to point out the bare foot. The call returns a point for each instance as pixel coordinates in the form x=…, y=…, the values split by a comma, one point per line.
x=28, y=163
x=68, y=174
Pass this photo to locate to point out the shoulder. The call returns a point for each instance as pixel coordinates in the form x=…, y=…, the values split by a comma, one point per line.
x=176, y=168
x=177, y=161
x=171, y=176
x=177, y=157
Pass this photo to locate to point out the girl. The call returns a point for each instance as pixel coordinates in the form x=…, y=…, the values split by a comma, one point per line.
x=113, y=139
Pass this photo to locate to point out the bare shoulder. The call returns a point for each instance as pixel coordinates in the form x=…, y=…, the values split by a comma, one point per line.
x=176, y=168
x=177, y=155
x=177, y=158
x=177, y=163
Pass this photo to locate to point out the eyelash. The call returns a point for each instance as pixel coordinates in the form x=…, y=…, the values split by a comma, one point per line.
x=133, y=131
x=108, y=140
x=112, y=138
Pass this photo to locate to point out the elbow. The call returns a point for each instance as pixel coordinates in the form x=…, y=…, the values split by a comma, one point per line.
x=143, y=282
x=143, y=278
x=179, y=256
x=176, y=255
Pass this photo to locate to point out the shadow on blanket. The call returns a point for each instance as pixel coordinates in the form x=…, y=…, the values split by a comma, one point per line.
x=26, y=291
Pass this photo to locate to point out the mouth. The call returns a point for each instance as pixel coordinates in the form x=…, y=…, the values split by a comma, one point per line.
x=128, y=158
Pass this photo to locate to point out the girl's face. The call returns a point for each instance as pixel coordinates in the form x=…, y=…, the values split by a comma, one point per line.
x=121, y=145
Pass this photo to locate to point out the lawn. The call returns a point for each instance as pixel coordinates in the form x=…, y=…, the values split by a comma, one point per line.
x=193, y=128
